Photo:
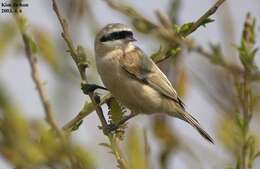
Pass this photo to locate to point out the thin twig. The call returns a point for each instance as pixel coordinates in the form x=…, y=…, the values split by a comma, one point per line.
x=207, y=14
x=66, y=36
x=39, y=85
x=20, y=20
x=117, y=152
x=175, y=40
x=162, y=32
x=73, y=123
x=96, y=102
x=181, y=42
x=167, y=34
x=73, y=52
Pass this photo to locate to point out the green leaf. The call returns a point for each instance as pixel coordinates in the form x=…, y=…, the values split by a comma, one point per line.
x=174, y=51
x=207, y=21
x=165, y=52
x=185, y=28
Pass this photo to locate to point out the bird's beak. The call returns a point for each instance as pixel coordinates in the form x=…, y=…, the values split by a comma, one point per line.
x=131, y=39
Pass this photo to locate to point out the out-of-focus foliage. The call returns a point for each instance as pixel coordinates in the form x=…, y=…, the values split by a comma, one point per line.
x=5, y=99
x=231, y=89
x=168, y=140
x=236, y=99
x=75, y=123
x=46, y=47
x=7, y=35
x=247, y=52
x=135, y=148
x=32, y=145
x=229, y=134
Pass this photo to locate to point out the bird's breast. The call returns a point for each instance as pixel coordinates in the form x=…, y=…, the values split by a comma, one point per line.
x=109, y=69
x=129, y=91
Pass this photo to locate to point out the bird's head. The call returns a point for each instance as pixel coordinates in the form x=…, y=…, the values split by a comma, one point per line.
x=115, y=35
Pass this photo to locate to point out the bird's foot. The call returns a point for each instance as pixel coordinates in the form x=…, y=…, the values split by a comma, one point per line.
x=119, y=126
x=109, y=128
x=88, y=88
x=112, y=127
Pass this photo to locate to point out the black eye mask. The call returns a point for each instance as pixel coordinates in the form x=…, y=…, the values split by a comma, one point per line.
x=116, y=36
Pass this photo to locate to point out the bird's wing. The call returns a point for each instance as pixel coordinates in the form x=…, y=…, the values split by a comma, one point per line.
x=144, y=69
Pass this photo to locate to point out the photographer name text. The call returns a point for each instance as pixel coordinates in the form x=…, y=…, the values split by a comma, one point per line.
x=8, y=7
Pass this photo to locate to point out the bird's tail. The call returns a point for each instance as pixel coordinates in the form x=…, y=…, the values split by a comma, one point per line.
x=194, y=123
x=182, y=114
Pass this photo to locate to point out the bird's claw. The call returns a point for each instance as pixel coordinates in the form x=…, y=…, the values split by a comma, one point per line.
x=88, y=88
x=112, y=127
x=109, y=128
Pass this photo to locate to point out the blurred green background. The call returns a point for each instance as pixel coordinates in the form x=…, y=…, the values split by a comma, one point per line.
x=149, y=141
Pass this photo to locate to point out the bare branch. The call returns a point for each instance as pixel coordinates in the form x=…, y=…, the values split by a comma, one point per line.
x=73, y=123
x=66, y=36
x=96, y=102
x=37, y=80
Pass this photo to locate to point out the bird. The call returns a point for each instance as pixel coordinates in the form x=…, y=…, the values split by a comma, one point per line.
x=134, y=79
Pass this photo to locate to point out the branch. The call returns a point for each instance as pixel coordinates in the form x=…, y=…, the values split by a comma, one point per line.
x=74, y=123
x=201, y=20
x=29, y=50
x=167, y=34
x=77, y=59
x=66, y=36
x=96, y=101
x=182, y=42
x=20, y=20
x=173, y=38
x=37, y=80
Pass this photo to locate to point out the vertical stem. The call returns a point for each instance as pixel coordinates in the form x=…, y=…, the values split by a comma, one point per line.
x=73, y=52
x=37, y=80
x=116, y=151
x=67, y=38
x=245, y=103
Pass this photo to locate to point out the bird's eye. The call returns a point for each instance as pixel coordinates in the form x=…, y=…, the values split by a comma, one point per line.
x=116, y=36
